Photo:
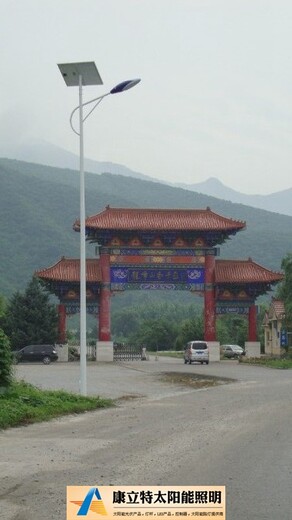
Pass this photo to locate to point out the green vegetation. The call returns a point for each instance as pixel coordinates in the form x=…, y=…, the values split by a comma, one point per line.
x=2, y=306
x=41, y=203
x=23, y=404
x=190, y=329
x=169, y=326
x=285, y=290
x=269, y=362
x=5, y=363
x=155, y=325
x=30, y=318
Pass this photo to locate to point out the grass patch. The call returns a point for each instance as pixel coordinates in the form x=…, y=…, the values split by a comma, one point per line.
x=269, y=362
x=23, y=404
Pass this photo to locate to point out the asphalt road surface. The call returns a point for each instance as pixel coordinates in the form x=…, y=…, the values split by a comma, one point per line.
x=238, y=434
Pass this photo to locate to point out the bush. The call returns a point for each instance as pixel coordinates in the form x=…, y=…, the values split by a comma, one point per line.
x=73, y=354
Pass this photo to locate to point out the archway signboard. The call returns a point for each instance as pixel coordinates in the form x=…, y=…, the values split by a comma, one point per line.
x=167, y=269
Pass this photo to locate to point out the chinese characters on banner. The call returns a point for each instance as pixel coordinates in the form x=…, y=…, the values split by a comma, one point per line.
x=132, y=275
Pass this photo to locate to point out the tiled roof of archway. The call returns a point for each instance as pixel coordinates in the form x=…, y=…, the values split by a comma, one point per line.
x=244, y=271
x=123, y=219
x=226, y=271
x=68, y=270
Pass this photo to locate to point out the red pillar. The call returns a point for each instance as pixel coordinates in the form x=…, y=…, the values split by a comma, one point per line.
x=210, y=304
x=252, y=323
x=104, y=332
x=62, y=324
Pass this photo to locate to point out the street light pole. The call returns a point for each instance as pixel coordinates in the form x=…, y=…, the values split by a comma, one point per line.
x=80, y=74
x=83, y=347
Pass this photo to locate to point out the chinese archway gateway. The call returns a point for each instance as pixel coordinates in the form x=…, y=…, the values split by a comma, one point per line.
x=149, y=249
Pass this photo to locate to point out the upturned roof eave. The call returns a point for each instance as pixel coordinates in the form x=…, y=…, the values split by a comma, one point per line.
x=261, y=274
x=68, y=270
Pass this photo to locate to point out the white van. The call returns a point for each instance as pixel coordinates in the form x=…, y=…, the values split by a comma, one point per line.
x=196, y=351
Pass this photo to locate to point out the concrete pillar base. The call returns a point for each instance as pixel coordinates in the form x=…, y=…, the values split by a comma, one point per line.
x=214, y=351
x=104, y=351
x=252, y=349
x=62, y=351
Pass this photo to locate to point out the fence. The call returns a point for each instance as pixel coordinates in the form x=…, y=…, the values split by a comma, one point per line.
x=122, y=352
x=91, y=352
x=127, y=352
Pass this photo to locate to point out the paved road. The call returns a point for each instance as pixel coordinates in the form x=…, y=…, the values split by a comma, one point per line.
x=236, y=434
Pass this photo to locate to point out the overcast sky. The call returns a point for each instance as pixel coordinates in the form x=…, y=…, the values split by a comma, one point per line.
x=215, y=98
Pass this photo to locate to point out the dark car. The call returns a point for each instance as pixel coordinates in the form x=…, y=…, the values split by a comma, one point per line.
x=44, y=353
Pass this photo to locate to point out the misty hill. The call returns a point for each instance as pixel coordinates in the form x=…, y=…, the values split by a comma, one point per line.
x=42, y=152
x=39, y=204
x=279, y=202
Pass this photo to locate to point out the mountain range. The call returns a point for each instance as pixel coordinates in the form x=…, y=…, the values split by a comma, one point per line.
x=39, y=204
x=41, y=152
x=279, y=202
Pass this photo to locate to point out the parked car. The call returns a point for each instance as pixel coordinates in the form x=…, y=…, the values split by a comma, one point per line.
x=196, y=351
x=232, y=351
x=44, y=353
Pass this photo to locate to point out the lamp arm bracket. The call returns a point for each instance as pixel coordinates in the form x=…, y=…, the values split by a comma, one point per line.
x=98, y=100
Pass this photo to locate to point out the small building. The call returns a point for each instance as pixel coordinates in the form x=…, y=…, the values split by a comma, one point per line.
x=274, y=328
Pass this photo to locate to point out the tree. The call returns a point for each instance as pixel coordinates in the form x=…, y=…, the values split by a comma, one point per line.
x=133, y=324
x=2, y=306
x=232, y=329
x=156, y=334
x=5, y=362
x=190, y=330
x=125, y=322
x=285, y=289
x=30, y=317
